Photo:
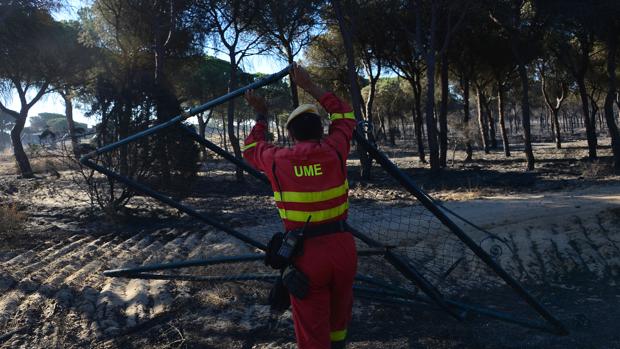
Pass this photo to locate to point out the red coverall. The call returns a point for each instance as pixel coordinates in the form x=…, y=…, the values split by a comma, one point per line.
x=311, y=179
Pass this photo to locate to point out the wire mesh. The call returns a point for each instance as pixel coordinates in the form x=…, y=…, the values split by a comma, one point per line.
x=381, y=209
x=413, y=231
x=384, y=211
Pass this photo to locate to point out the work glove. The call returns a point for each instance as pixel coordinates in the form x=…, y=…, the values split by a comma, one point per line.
x=257, y=103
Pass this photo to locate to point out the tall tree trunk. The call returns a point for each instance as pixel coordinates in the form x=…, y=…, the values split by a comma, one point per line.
x=502, y=118
x=515, y=118
x=484, y=138
x=163, y=104
x=525, y=106
x=491, y=120
x=278, y=133
x=356, y=97
x=224, y=137
x=20, y=121
x=466, y=117
x=515, y=43
x=230, y=116
x=416, y=84
x=417, y=124
x=124, y=122
x=417, y=115
x=556, y=128
x=431, y=123
x=612, y=47
x=391, y=131
x=382, y=129
x=590, y=131
x=555, y=123
x=594, y=112
x=238, y=129
x=294, y=94
x=18, y=150
x=443, y=112
x=371, y=98
x=202, y=130
x=564, y=121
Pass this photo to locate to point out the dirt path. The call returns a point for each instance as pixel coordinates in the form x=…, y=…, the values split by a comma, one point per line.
x=555, y=234
x=545, y=209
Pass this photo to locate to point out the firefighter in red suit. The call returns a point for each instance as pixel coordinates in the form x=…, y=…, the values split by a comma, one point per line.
x=309, y=179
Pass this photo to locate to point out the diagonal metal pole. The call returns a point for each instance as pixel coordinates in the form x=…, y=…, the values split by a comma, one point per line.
x=400, y=263
x=226, y=155
x=410, y=273
x=385, y=293
x=406, y=297
x=186, y=264
x=86, y=160
x=179, y=206
x=252, y=257
x=204, y=278
x=193, y=111
x=397, y=261
x=394, y=259
x=380, y=295
x=425, y=200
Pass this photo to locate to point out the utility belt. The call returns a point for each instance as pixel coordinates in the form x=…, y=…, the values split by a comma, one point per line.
x=283, y=247
x=325, y=229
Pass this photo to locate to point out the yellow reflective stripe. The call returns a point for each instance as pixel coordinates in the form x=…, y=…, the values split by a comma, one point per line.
x=248, y=146
x=336, y=116
x=315, y=196
x=337, y=336
x=317, y=216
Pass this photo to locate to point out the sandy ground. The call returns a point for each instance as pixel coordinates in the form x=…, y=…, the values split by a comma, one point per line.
x=559, y=230
x=543, y=209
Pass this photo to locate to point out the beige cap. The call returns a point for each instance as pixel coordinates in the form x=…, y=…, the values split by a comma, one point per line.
x=304, y=108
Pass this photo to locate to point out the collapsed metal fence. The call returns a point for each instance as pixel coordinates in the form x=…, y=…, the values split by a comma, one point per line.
x=431, y=259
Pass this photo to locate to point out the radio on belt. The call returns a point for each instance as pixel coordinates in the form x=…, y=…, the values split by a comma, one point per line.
x=291, y=240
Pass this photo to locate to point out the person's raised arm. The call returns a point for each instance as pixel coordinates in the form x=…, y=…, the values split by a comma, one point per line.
x=256, y=150
x=302, y=79
x=340, y=113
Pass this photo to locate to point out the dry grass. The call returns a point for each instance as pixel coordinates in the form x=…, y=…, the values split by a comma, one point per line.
x=218, y=297
x=7, y=162
x=468, y=192
x=465, y=195
x=11, y=220
x=51, y=164
x=42, y=161
x=6, y=153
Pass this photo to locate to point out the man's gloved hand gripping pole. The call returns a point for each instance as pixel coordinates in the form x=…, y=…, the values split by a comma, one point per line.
x=300, y=77
x=257, y=103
